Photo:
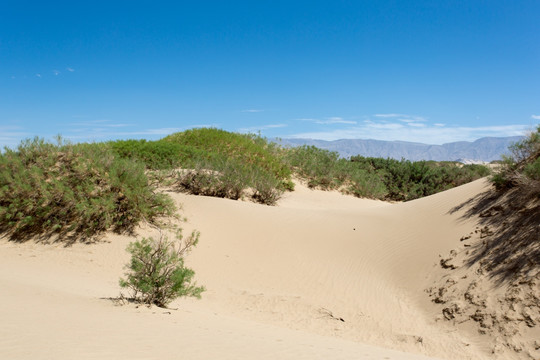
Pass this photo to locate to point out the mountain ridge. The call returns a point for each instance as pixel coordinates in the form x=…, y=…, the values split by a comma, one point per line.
x=485, y=149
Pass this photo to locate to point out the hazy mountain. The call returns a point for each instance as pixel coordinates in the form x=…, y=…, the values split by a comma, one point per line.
x=484, y=149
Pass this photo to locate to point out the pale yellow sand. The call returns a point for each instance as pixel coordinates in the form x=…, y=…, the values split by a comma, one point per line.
x=279, y=280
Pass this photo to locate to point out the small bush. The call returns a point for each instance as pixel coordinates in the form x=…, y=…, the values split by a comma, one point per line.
x=366, y=185
x=266, y=189
x=214, y=178
x=320, y=168
x=532, y=170
x=156, y=273
x=522, y=166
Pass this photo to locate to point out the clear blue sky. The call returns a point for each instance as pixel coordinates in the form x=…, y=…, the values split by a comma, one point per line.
x=426, y=71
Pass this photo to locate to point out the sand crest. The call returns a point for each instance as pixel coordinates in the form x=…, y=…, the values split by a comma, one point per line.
x=320, y=276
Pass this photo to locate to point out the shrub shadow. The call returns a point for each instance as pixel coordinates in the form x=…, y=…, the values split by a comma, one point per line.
x=509, y=244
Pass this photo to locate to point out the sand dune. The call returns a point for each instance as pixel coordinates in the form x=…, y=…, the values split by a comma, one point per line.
x=320, y=276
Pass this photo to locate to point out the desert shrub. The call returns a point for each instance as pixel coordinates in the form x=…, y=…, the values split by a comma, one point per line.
x=265, y=188
x=247, y=149
x=228, y=178
x=532, y=170
x=320, y=168
x=407, y=180
x=522, y=166
x=366, y=185
x=214, y=179
x=156, y=274
x=154, y=154
x=231, y=165
x=81, y=190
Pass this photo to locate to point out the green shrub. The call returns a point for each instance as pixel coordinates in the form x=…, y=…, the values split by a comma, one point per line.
x=320, y=168
x=154, y=154
x=265, y=188
x=156, y=273
x=213, y=180
x=231, y=165
x=366, y=185
x=247, y=149
x=532, y=170
x=228, y=178
x=407, y=180
x=79, y=190
x=522, y=166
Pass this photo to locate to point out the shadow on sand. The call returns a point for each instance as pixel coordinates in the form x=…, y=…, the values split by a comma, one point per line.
x=510, y=234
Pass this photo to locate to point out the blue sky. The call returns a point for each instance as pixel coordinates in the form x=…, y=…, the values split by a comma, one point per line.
x=424, y=71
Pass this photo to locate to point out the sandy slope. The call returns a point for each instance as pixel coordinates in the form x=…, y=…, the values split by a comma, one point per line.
x=317, y=277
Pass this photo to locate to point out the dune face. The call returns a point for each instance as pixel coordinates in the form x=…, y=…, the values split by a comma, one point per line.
x=320, y=276
x=492, y=278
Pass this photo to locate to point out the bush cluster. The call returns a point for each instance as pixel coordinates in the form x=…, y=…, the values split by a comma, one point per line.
x=522, y=166
x=231, y=165
x=229, y=179
x=214, y=162
x=83, y=189
x=407, y=180
x=385, y=179
x=248, y=149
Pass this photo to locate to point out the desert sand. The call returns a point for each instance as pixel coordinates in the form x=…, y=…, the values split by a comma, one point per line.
x=319, y=276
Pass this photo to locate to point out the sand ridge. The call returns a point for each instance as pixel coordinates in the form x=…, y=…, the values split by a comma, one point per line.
x=321, y=275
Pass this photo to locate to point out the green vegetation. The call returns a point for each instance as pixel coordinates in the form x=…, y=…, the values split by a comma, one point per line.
x=85, y=189
x=66, y=189
x=156, y=273
x=156, y=155
x=385, y=179
x=247, y=149
x=231, y=165
x=522, y=166
x=215, y=163
x=406, y=180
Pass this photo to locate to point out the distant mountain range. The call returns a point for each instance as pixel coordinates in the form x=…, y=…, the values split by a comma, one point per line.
x=482, y=150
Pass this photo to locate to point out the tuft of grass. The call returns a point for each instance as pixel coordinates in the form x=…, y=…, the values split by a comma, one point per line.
x=79, y=190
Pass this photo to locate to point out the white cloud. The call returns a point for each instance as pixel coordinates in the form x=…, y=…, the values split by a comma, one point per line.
x=38, y=75
x=56, y=72
x=252, y=111
x=261, y=128
x=11, y=136
x=402, y=117
x=430, y=134
x=335, y=120
x=383, y=126
x=70, y=69
x=329, y=121
x=536, y=117
x=416, y=124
